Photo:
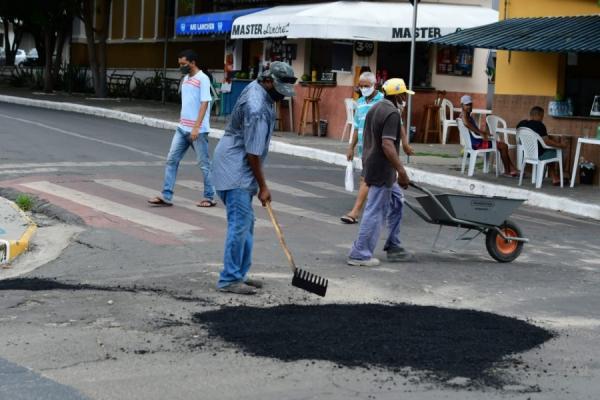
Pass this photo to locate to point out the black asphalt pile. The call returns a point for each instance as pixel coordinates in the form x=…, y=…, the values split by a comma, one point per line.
x=445, y=342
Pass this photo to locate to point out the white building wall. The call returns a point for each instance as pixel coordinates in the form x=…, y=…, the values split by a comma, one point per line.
x=477, y=83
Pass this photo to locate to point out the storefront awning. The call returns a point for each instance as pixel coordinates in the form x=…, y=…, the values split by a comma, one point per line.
x=547, y=34
x=360, y=20
x=210, y=24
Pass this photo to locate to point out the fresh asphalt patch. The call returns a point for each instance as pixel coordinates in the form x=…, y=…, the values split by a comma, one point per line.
x=444, y=343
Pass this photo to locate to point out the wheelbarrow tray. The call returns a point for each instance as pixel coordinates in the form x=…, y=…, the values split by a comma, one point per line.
x=491, y=211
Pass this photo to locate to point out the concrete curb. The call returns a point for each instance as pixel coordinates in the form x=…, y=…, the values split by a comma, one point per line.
x=14, y=248
x=464, y=185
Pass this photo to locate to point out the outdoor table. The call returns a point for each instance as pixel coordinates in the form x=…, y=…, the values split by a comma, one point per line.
x=513, y=131
x=569, y=139
x=481, y=112
x=581, y=141
x=311, y=103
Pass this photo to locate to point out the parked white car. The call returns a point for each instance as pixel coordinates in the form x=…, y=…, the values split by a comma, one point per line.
x=20, y=57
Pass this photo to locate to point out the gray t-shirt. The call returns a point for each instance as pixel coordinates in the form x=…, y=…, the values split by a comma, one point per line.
x=383, y=122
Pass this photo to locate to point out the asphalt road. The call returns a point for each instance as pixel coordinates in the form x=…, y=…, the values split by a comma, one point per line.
x=131, y=332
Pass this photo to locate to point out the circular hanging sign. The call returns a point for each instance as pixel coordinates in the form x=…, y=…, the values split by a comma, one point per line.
x=364, y=49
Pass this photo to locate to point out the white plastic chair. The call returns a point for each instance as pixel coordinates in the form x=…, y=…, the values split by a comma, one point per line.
x=495, y=122
x=446, y=118
x=350, y=105
x=471, y=153
x=529, y=140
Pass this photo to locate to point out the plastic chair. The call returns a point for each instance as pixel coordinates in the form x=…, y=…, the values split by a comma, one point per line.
x=446, y=118
x=529, y=143
x=494, y=122
x=215, y=91
x=471, y=153
x=350, y=105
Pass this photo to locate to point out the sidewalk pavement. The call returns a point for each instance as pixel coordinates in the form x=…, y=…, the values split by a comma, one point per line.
x=433, y=164
x=16, y=230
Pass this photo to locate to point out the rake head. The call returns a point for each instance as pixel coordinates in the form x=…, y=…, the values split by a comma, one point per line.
x=310, y=282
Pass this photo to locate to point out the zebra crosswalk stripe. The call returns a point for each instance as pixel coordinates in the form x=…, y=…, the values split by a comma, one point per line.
x=181, y=202
x=278, y=206
x=131, y=214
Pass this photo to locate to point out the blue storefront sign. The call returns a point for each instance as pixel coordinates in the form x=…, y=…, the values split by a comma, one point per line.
x=210, y=24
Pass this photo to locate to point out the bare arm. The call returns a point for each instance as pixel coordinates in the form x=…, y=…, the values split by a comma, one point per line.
x=350, y=152
x=264, y=195
x=201, y=114
x=473, y=128
x=390, y=153
x=553, y=143
x=405, y=145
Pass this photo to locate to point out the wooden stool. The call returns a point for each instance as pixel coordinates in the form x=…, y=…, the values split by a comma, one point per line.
x=431, y=121
x=311, y=102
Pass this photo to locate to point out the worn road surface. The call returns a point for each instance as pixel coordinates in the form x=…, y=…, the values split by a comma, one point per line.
x=113, y=300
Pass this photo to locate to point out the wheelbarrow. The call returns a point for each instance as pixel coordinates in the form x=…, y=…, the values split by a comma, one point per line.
x=479, y=214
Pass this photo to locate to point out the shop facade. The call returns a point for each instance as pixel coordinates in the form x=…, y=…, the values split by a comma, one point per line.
x=557, y=70
x=342, y=39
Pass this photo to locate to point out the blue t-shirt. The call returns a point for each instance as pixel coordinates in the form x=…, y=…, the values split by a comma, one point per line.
x=194, y=91
x=361, y=114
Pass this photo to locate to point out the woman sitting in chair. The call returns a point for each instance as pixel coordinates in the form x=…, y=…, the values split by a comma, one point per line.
x=481, y=140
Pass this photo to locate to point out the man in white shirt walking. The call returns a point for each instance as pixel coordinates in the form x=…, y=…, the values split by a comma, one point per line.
x=193, y=130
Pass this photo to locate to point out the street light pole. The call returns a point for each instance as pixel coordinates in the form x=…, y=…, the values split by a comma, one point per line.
x=415, y=4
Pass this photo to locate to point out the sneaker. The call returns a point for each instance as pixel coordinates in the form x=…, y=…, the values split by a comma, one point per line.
x=398, y=254
x=238, y=288
x=255, y=283
x=371, y=262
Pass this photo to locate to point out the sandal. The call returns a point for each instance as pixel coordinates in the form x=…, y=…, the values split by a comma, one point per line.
x=206, y=203
x=159, y=202
x=347, y=219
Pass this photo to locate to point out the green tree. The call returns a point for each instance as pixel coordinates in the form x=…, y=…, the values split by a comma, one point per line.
x=96, y=32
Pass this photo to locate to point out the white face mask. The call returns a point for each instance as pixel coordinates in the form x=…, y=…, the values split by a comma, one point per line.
x=366, y=92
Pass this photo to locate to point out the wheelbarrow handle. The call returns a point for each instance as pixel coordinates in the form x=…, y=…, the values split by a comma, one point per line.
x=420, y=188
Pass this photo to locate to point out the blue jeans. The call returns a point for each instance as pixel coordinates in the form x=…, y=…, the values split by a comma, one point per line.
x=179, y=146
x=382, y=202
x=240, y=236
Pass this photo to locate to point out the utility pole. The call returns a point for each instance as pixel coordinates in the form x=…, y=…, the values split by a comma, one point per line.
x=413, y=39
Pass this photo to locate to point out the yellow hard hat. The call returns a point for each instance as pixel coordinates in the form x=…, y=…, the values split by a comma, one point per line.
x=395, y=86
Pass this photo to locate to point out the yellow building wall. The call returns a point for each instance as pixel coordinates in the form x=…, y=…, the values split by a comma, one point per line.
x=530, y=73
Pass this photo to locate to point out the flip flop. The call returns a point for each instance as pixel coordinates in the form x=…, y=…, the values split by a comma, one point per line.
x=159, y=202
x=206, y=203
x=349, y=220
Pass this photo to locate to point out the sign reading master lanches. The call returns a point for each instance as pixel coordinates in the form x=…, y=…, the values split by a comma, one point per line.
x=261, y=29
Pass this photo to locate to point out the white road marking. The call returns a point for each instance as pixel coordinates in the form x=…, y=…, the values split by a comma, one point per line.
x=27, y=171
x=519, y=216
x=277, y=206
x=80, y=136
x=340, y=189
x=91, y=164
x=330, y=187
x=134, y=215
x=277, y=187
x=124, y=186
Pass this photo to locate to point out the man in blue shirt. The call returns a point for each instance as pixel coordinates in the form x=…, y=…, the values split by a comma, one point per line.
x=238, y=174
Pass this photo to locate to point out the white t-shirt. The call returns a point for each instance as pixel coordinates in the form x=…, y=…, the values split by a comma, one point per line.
x=195, y=90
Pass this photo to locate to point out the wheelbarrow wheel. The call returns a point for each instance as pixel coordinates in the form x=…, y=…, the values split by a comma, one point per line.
x=503, y=250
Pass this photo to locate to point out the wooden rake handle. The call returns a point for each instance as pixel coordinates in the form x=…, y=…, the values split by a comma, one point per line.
x=281, y=238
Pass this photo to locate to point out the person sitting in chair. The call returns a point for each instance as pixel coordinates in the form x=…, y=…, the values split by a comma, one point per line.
x=536, y=115
x=484, y=142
